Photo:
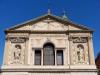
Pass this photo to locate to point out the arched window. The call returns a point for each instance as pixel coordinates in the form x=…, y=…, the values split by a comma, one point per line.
x=80, y=53
x=48, y=54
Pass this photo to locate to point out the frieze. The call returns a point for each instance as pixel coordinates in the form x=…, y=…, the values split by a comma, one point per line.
x=79, y=40
x=17, y=34
x=17, y=40
x=48, y=35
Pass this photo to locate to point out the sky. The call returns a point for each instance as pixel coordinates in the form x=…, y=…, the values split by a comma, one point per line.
x=85, y=12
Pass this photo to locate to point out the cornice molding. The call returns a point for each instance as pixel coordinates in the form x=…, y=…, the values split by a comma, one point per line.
x=47, y=70
x=45, y=31
x=54, y=17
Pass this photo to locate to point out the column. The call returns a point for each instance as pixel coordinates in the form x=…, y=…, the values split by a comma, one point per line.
x=33, y=57
x=55, y=57
x=42, y=56
x=91, y=51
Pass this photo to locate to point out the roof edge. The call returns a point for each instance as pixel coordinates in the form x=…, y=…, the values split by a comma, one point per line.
x=49, y=15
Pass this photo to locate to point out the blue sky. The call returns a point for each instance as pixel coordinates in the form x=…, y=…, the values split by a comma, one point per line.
x=86, y=12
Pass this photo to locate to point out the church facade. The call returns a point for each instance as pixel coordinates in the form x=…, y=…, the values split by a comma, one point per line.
x=48, y=45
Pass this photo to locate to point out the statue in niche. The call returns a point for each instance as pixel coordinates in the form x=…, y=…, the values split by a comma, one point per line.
x=17, y=53
x=80, y=54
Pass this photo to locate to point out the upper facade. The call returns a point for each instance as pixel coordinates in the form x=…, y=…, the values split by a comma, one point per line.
x=48, y=40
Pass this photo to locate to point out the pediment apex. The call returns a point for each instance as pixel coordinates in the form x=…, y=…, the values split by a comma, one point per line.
x=51, y=16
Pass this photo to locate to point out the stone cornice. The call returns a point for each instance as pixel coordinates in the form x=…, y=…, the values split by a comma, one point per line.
x=42, y=48
x=48, y=69
x=80, y=31
x=45, y=31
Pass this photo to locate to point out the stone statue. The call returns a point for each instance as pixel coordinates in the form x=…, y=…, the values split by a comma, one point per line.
x=80, y=54
x=17, y=53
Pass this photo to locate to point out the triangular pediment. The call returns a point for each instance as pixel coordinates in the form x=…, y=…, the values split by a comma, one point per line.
x=48, y=22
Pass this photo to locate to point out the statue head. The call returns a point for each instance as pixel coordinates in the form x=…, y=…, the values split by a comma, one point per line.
x=18, y=46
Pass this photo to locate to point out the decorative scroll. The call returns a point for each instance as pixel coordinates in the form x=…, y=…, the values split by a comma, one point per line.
x=17, y=40
x=79, y=40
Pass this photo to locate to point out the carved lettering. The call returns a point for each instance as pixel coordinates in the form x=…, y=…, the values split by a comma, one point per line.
x=79, y=40
x=17, y=40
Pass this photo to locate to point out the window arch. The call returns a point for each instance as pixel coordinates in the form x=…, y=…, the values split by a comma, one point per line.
x=48, y=54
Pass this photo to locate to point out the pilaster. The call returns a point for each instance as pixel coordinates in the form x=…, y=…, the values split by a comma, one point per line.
x=91, y=53
x=29, y=51
x=70, y=50
x=6, y=52
x=26, y=51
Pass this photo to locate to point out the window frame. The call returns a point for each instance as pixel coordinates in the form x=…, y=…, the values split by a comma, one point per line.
x=55, y=57
x=61, y=57
x=35, y=56
x=48, y=46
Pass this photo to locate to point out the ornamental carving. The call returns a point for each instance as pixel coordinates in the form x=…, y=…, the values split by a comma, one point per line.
x=17, y=40
x=80, y=54
x=17, y=54
x=79, y=40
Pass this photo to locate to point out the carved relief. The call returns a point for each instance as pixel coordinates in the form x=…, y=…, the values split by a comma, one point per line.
x=17, y=53
x=80, y=54
x=17, y=50
x=79, y=50
x=79, y=40
x=17, y=40
x=49, y=24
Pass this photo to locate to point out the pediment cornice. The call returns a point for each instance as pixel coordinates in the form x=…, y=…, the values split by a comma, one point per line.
x=51, y=16
x=45, y=31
